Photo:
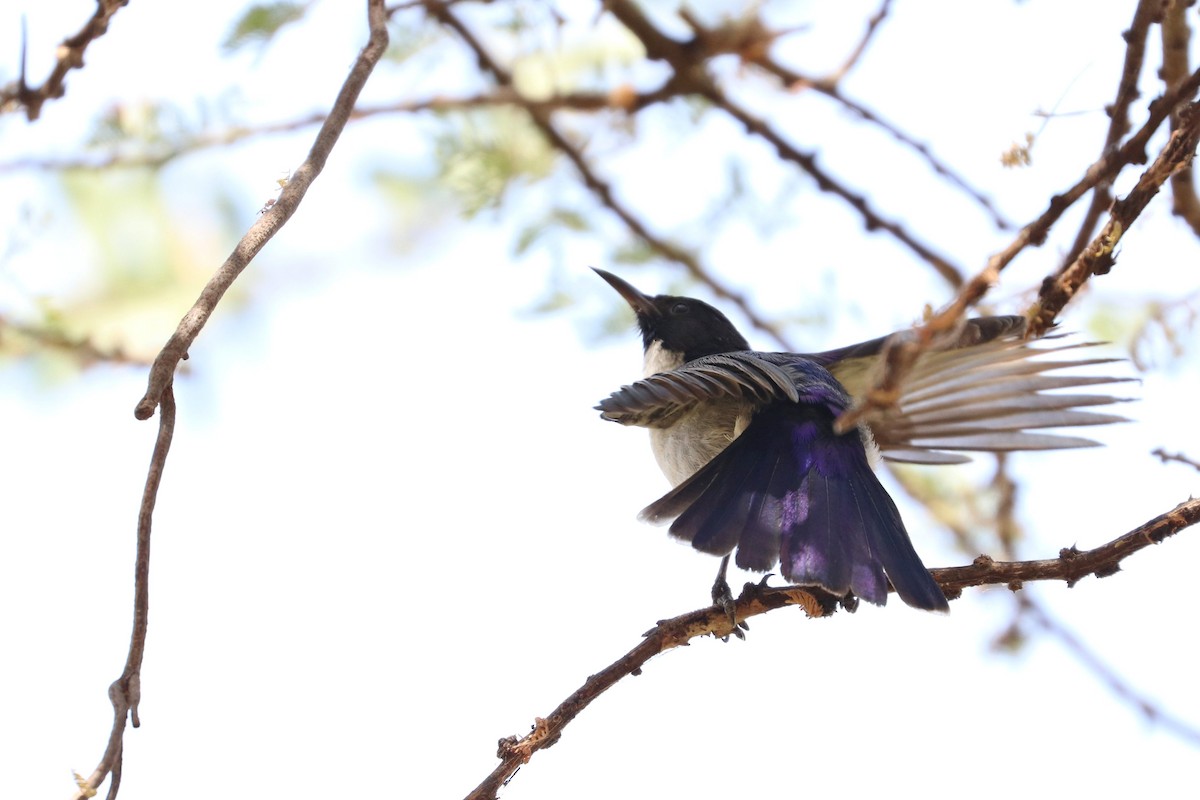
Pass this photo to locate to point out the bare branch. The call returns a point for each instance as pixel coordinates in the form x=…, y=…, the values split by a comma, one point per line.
x=80, y=348
x=70, y=56
x=125, y=692
x=501, y=96
x=1071, y=566
x=857, y=53
x=1164, y=456
x=1100, y=256
x=1147, y=13
x=692, y=77
x=1176, y=37
x=899, y=356
x=273, y=219
x=795, y=81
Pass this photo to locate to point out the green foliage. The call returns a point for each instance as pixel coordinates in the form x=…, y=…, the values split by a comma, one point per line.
x=634, y=252
x=141, y=123
x=557, y=219
x=260, y=22
x=479, y=155
x=145, y=266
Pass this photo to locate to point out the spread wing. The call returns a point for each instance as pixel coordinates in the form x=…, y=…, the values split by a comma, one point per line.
x=658, y=400
x=989, y=391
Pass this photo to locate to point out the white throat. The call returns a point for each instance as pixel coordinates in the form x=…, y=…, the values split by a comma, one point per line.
x=659, y=359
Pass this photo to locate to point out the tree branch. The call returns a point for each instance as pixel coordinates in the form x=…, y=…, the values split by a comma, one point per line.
x=1100, y=256
x=692, y=77
x=1176, y=37
x=1147, y=13
x=1071, y=566
x=1165, y=457
x=70, y=56
x=501, y=96
x=899, y=356
x=273, y=219
x=126, y=691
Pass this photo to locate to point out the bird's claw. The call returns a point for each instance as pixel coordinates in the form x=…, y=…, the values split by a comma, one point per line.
x=722, y=597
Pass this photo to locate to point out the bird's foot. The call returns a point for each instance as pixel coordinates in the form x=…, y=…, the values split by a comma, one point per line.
x=722, y=597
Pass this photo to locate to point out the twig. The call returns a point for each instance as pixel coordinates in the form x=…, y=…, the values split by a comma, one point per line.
x=1147, y=13
x=1164, y=456
x=501, y=96
x=857, y=53
x=691, y=76
x=273, y=219
x=795, y=80
x=125, y=692
x=1176, y=38
x=899, y=356
x=1100, y=256
x=81, y=348
x=828, y=85
x=1071, y=566
x=70, y=56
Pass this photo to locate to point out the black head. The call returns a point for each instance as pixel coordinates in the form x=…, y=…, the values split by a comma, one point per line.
x=684, y=325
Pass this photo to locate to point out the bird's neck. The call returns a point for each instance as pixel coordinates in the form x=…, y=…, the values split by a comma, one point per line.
x=659, y=359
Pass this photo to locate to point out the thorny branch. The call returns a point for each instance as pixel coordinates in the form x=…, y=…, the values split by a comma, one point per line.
x=1176, y=35
x=1072, y=565
x=70, y=56
x=1127, y=91
x=1100, y=256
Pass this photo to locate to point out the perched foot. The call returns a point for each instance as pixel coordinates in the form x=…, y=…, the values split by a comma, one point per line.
x=722, y=597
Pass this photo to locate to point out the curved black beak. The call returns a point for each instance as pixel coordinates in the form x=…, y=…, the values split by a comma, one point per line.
x=640, y=303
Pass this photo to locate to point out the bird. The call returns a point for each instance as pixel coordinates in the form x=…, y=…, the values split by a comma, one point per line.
x=759, y=472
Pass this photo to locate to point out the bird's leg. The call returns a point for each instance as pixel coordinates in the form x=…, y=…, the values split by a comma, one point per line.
x=722, y=596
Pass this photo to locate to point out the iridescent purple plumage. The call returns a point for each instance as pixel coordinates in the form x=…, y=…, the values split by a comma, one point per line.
x=790, y=491
x=747, y=438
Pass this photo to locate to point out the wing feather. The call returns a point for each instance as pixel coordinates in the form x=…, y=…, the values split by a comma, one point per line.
x=661, y=398
x=986, y=392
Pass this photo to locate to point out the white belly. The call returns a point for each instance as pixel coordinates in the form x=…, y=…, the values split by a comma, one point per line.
x=696, y=439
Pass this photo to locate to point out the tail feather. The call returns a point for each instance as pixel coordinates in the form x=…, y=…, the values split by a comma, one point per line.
x=791, y=491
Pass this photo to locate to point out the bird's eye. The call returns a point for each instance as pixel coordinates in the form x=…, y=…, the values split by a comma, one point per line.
x=680, y=308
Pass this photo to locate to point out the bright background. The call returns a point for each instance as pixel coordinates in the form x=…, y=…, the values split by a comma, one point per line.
x=392, y=529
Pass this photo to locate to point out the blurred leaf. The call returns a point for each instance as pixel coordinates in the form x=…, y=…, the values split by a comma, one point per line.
x=407, y=40
x=139, y=122
x=260, y=22
x=557, y=218
x=528, y=237
x=421, y=206
x=634, y=251
x=485, y=151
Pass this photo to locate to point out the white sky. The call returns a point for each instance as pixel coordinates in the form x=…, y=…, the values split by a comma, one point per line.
x=393, y=530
